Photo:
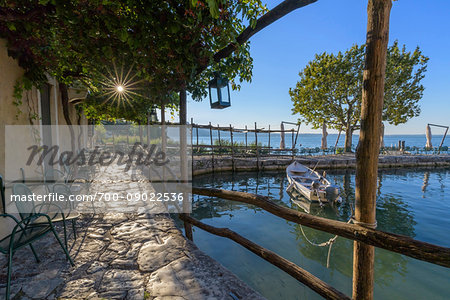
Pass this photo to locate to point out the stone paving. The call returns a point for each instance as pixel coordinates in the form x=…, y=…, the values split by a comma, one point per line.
x=122, y=256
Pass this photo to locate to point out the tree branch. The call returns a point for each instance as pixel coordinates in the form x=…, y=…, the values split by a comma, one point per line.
x=270, y=17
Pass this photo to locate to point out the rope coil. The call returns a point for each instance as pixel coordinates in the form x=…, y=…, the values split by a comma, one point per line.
x=363, y=224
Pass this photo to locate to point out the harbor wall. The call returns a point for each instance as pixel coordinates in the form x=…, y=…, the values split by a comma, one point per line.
x=207, y=164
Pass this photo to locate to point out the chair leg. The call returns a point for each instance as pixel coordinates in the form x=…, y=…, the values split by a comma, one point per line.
x=62, y=246
x=34, y=253
x=74, y=229
x=8, y=280
x=65, y=234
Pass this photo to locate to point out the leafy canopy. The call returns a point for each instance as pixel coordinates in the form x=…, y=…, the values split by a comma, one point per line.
x=163, y=42
x=330, y=87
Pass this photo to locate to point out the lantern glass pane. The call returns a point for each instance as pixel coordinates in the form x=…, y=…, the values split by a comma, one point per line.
x=213, y=94
x=225, y=94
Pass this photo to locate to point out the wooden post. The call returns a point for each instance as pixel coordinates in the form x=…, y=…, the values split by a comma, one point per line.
x=183, y=152
x=369, y=142
x=296, y=135
x=212, y=146
x=220, y=142
x=246, y=131
x=163, y=134
x=256, y=147
x=196, y=134
x=292, y=143
x=192, y=148
x=269, y=140
x=232, y=148
x=442, y=142
x=148, y=129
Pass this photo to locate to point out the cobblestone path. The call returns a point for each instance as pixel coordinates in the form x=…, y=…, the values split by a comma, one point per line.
x=122, y=256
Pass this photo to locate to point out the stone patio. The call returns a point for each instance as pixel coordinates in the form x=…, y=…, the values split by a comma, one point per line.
x=121, y=256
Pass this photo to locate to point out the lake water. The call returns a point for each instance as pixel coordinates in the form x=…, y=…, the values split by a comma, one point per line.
x=310, y=140
x=415, y=203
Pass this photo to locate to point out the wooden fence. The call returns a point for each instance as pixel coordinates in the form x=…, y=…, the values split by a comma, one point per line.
x=225, y=147
x=389, y=241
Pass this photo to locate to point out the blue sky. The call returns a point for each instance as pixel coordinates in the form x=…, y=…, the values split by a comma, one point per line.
x=281, y=50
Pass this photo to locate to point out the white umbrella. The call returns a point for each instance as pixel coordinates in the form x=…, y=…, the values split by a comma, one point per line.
x=382, y=135
x=282, y=143
x=428, y=134
x=324, y=136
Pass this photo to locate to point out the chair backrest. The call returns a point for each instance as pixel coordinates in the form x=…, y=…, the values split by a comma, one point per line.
x=52, y=176
x=25, y=208
x=64, y=190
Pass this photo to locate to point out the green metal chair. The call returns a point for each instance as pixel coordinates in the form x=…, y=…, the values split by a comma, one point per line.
x=57, y=213
x=23, y=234
x=69, y=210
x=53, y=176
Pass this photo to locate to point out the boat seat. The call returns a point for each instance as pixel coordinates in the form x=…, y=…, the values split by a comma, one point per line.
x=303, y=177
x=298, y=172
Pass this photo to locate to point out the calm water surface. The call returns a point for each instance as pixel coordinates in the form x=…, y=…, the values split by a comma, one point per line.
x=415, y=203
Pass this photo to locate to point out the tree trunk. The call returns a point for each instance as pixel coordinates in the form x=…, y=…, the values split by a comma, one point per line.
x=348, y=139
x=369, y=142
x=65, y=105
x=184, y=166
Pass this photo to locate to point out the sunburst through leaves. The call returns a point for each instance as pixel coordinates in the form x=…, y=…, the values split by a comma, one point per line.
x=121, y=87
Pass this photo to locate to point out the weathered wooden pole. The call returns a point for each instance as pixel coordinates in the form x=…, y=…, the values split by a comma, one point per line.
x=246, y=131
x=292, y=144
x=369, y=142
x=232, y=148
x=183, y=160
x=212, y=146
x=163, y=126
x=256, y=147
x=220, y=142
x=163, y=133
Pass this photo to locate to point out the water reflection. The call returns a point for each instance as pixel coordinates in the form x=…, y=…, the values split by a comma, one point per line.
x=397, y=211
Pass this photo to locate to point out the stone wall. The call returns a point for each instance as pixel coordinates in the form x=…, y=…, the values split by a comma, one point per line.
x=205, y=164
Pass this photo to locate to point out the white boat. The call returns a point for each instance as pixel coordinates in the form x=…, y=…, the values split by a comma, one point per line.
x=311, y=184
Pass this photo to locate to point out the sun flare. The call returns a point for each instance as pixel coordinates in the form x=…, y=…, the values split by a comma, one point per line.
x=121, y=87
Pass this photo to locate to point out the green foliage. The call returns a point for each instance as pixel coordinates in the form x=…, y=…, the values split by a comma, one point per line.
x=330, y=87
x=164, y=43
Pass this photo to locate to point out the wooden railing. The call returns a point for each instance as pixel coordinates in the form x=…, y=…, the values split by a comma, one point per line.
x=244, y=148
x=393, y=242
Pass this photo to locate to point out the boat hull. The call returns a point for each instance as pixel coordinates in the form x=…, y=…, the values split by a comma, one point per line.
x=311, y=184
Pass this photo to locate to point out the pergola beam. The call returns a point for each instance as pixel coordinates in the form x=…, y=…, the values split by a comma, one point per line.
x=270, y=17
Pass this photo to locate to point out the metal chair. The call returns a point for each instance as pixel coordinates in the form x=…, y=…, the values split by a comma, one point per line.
x=56, y=213
x=53, y=176
x=69, y=211
x=23, y=234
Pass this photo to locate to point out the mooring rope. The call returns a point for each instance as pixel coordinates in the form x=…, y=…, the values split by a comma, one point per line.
x=329, y=243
